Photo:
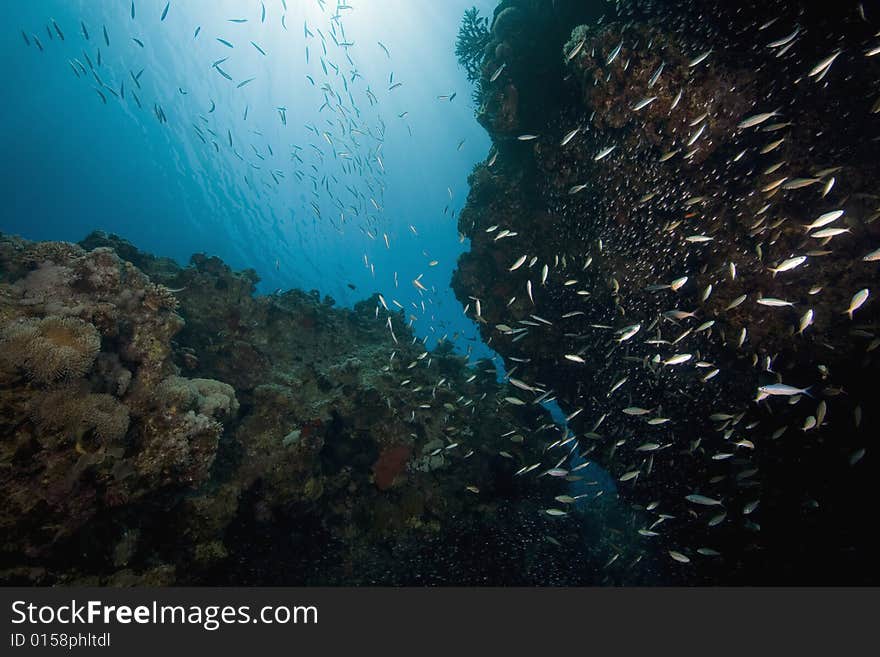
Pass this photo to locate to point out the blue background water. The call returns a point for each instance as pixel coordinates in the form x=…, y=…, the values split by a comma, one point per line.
x=73, y=164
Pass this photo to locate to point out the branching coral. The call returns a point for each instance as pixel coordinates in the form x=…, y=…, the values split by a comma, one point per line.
x=473, y=37
x=51, y=348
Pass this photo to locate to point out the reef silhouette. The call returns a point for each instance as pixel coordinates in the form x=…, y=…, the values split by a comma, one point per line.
x=623, y=160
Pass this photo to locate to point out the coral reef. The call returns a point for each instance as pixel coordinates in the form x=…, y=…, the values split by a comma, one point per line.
x=93, y=413
x=223, y=437
x=473, y=37
x=520, y=61
x=632, y=203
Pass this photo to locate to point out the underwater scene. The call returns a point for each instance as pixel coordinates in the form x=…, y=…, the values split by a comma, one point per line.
x=411, y=293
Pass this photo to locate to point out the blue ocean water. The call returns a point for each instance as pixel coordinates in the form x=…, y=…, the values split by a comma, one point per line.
x=300, y=174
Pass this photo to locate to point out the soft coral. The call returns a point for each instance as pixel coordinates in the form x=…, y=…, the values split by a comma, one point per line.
x=389, y=465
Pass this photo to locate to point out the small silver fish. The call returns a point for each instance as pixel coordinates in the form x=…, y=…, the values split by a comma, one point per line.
x=824, y=220
x=614, y=54
x=806, y=320
x=774, y=303
x=519, y=263
x=702, y=500
x=642, y=104
x=824, y=65
x=856, y=302
x=605, y=152
x=788, y=265
x=700, y=59
x=756, y=119
x=829, y=232
x=574, y=51
x=656, y=75
x=569, y=136
x=783, y=390
x=678, y=556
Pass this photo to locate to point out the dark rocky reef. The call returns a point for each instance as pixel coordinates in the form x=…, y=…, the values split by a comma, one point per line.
x=166, y=425
x=94, y=415
x=686, y=214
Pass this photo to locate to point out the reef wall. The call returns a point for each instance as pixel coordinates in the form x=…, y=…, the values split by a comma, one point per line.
x=641, y=246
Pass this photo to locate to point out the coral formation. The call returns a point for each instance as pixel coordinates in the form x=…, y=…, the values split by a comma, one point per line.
x=473, y=37
x=390, y=464
x=87, y=407
x=50, y=348
x=74, y=409
x=226, y=437
x=642, y=201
